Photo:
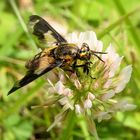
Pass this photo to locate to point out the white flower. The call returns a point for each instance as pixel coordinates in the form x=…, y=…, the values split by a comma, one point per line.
x=94, y=96
x=107, y=82
x=107, y=74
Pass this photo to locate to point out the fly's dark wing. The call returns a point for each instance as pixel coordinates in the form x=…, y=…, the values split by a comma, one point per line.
x=33, y=75
x=44, y=31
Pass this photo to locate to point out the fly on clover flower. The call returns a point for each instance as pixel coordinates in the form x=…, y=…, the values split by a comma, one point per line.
x=59, y=53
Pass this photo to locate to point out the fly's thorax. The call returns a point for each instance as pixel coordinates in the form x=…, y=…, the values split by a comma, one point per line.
x=66, y=51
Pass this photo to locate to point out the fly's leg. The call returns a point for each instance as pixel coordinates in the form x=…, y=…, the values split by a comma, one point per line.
x=86, y=67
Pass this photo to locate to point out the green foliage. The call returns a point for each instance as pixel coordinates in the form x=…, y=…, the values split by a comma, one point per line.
x=115, y=21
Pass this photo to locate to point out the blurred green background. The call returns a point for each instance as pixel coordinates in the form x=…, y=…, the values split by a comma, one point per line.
x=114, y=21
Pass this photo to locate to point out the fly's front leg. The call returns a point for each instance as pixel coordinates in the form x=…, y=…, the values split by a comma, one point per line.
x=74, y=68
x=86, y=66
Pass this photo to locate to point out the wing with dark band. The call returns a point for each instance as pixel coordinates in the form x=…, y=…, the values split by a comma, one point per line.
x=31, y=76
x=43, y=30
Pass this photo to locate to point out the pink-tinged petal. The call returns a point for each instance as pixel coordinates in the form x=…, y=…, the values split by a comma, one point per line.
x=91, y=40
x=65, y=101
x=102, y=115
x=76, y=81
x=120, y=87
x=78, y=109
x=72, y=38
x=128, y=107
x=110, y=52
x=91, y=96
x=95, y=85
x=108, y=83
x=99, y=46
x=108, y=95
x=115, y=65
x=59, y=87
x=67, y=92
x=87, y=103
x=123, y=78
x=81, y=39
x=88, y=37
x=125, y=74
x=123, y=105
x=62, y=77
x=112, y=60
x=77, y=84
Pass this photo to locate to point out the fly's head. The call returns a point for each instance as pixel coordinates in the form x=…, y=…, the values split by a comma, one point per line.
x=84, y=52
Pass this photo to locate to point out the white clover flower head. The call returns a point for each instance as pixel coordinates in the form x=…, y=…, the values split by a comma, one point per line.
x=96, y=91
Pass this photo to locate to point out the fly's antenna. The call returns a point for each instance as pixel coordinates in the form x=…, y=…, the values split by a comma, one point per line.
x=95, y=54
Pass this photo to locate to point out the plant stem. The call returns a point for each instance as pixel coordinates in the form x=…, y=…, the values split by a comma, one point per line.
x=17, y=13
